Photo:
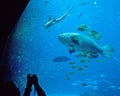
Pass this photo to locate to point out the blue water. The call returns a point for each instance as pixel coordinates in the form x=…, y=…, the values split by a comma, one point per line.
x=32, y=48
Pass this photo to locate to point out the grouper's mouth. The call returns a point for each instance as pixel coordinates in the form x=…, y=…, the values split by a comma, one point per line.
x=61, y=38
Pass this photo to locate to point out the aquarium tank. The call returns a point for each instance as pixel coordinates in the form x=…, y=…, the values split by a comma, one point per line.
x=71, y=45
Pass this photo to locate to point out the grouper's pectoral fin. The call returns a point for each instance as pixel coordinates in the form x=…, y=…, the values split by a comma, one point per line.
x=71, y=50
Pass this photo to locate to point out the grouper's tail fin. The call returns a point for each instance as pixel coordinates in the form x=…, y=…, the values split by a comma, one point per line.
x=108, y=50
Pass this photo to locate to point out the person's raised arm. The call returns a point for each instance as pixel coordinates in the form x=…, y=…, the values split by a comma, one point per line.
x=28, y=86
x=38, y=88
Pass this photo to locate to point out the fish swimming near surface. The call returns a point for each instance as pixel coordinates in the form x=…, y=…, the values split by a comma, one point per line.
x=81, y=42
x=61, y=59
x=52, y=22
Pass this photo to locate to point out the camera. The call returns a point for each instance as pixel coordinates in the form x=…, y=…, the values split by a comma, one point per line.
x=31, y=75
x=32, y=78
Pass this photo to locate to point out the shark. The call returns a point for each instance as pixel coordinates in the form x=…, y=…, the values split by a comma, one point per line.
x=81, y=42
x=52, y=22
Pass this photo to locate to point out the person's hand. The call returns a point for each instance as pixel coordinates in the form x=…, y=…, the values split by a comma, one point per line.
x=35, y=79
x=29, y=81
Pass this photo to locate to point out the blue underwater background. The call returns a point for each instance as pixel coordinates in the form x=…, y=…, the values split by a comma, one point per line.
x=32, y=48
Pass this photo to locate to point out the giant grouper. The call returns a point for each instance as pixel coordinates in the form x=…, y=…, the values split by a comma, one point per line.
x=80, y=42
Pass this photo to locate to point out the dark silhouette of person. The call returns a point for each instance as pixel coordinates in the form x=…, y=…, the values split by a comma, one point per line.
x=10, y=89
x=33, y=80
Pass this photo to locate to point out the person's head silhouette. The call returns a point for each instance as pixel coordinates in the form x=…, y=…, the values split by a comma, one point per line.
x=9, y=89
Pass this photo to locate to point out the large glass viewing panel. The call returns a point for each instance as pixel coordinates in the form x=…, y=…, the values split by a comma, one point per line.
x=71, y=45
